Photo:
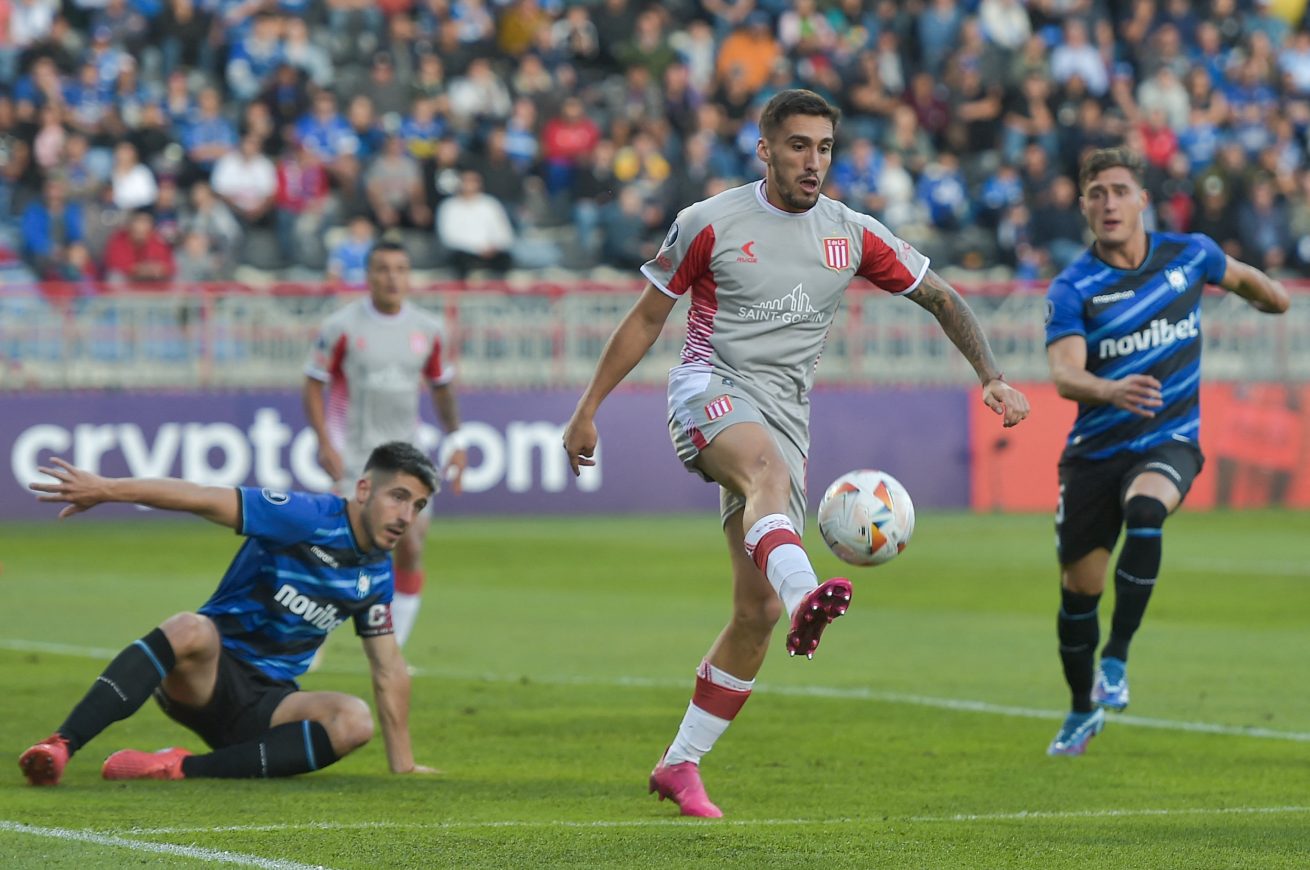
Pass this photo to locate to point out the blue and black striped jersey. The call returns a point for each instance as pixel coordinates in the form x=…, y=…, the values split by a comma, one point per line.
x=1143, y=321
x=299, y=575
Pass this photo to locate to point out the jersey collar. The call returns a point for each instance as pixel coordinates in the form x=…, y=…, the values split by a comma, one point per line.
x=773, y=209
x=1150, y=249
x=386, y=318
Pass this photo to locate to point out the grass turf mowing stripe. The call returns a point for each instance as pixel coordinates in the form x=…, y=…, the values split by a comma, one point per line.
x=218, y=856
x=1019, y=816
x=962, y=705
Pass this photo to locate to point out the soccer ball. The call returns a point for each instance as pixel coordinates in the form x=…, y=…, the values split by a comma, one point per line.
x=866, y=517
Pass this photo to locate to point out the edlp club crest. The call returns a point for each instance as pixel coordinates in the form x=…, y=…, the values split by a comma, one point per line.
x=837, y=253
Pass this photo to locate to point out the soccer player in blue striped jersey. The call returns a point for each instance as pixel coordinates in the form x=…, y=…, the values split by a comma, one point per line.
x=228, y=671
x=1123, y=339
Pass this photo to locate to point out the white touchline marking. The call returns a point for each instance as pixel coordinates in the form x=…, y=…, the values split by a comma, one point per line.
x=447, y=826
x=1038, y=815
x=1022, y=815
x=855, y=693
x=218, y=856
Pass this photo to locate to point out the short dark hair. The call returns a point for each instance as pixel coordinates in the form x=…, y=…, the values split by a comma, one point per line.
x=1110, y=158
x=384, y=245
x=795, y=101
x=395, y=457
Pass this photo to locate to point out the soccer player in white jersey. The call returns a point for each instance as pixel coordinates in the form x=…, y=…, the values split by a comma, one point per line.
x=375, y=355
x=766, y=265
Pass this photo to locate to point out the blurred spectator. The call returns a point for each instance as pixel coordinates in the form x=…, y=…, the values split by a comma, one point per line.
x=137, y=252
x=627, y=239
x=50, y=224
x=1214, y=217
x=196, y=263
x=942, y=192
x=566, y=143
x=938, y=27
x=1058, y=226
x=749, y=54
x=502, y=173
x=133, y=183
x=302, y=53
x=210, y=135
x=475, y=229
x=253, y=56
x=647, y=46
x=519, y=24
x=167, y=212
x=479, y=96
x=1005, y=23
x=184, y=30
x=348, y=258
x=394, y=189
x=387, y=95
x=48, y=144
x=210, y=218
x=1076, y=56
x=574, y=37
x=1029, y=116
x=81, y=174
x=364, y=126
x=1264, y=232
x=247, y=182
x=641, y=165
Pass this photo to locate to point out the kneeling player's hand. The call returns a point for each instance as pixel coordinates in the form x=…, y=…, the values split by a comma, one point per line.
x=422, y=768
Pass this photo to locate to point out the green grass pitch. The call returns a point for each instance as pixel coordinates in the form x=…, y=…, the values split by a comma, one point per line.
x=555, y=658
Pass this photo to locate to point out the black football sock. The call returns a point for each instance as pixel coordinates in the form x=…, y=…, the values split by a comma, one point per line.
x=296, y=747
x=121, y=689
x=1135, y=572
x=1079, y=631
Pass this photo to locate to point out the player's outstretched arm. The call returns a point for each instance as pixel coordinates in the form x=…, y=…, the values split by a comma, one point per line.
x=1264, y=293
x=632, y=338
x=1137, y=393
x=391, y=693
x=81, y=490
x=961, y=326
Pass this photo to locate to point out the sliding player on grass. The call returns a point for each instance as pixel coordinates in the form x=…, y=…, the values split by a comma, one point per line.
x=1123, y=337
x=766, y=265
x=228, y=671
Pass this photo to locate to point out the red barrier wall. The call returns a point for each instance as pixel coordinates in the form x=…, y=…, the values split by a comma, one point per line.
x=1256, y=439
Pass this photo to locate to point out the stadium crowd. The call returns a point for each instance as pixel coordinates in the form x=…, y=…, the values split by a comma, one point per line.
x=183, y=139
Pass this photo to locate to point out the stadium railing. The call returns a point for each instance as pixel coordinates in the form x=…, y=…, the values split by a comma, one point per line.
x=546, y=334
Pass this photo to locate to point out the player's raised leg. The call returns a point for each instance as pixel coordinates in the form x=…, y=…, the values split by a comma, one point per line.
x=308, y=731
x=186, y=643
x=745, y=459
x=408, y=558
x=1147, y=503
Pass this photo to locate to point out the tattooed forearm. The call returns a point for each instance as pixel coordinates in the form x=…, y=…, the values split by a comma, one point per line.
x=958, y=322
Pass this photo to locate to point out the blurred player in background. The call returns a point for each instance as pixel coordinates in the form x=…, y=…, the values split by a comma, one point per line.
x=228, y=671
x=375, y=356
x=766, y=265
x=1123, y=338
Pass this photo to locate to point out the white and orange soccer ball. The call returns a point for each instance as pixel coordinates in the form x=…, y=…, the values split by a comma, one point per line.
x=866, y=517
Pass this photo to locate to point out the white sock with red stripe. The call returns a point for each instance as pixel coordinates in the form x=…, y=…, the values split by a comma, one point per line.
x=718, y=698
x=776, y=548
x=404, y=613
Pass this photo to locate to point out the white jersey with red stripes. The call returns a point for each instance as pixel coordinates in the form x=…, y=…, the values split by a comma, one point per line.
x=376, y=365
x=765, y=285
